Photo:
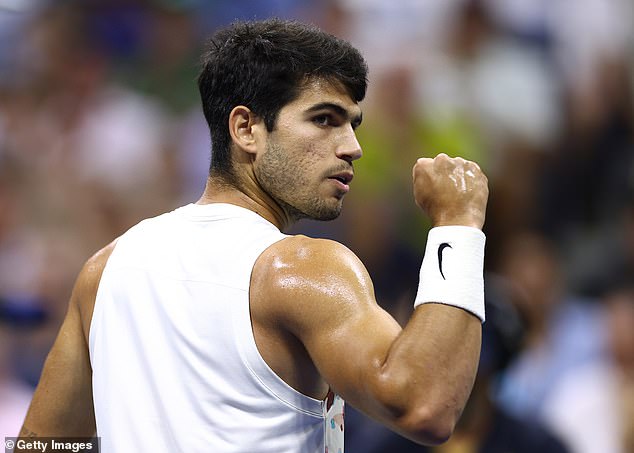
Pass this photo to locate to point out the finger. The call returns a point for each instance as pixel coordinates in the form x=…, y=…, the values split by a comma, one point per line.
x=475, y=164
x=421, y=164
x=443, y=161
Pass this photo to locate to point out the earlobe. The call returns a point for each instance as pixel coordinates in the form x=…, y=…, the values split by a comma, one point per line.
x=243, y=124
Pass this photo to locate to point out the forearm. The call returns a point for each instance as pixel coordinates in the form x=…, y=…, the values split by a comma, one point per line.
x=428, y=371
x=427, y=374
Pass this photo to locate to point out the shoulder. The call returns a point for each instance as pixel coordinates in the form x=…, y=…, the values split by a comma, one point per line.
x=87, y=284
x=93, y=268
x=304, y=258
x=303, y=276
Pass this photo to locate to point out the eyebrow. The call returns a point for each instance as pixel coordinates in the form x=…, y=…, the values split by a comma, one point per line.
x=355, y=120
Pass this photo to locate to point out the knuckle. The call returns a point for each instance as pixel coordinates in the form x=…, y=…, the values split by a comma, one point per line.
x=442, y=157
x=422, y=162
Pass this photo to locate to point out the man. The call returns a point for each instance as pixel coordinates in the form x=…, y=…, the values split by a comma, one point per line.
x=208, y=329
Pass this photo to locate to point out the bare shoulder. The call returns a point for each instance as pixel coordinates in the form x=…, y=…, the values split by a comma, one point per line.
x=93, y=268
x=300, y=260
x=85, y=290
x=301, y=277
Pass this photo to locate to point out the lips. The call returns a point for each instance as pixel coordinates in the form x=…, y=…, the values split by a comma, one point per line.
x=344, y=177
x=342, y=180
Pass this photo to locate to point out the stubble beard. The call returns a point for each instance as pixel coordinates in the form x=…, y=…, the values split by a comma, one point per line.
x=281, y=179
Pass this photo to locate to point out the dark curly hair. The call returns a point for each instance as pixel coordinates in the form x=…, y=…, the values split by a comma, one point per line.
x=263, y=66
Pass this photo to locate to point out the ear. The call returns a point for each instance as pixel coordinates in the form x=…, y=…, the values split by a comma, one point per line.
x=245, y=129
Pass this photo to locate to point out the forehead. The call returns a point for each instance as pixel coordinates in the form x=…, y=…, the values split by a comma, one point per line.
x=319, y=91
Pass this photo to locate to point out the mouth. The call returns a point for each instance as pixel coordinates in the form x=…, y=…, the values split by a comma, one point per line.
x=344, y=177
x=343, y=180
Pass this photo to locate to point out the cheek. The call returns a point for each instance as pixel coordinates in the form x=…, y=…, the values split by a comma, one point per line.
x=308, y=159
x=310, y=162
x=300, y=155
x=304, y=168
x=305, y=139
x=314, y=152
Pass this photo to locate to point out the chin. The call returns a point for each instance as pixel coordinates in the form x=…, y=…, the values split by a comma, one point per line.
x=327, y=217
x=321, y=213
x=326, y=213
x=317, y=209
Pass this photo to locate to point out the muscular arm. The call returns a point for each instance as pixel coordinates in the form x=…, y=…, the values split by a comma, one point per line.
x=415, y=380
x=62, y=404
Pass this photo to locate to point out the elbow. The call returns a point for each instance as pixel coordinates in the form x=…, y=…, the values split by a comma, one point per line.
x=425, y=411
x=426, y=417
x=428, y=426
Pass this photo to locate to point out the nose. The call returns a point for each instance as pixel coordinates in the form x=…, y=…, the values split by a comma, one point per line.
x=349, y=148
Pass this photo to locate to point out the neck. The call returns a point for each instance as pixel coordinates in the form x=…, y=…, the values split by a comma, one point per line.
x=219, y=190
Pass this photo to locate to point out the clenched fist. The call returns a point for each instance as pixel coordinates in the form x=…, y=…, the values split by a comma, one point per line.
x=452, y=191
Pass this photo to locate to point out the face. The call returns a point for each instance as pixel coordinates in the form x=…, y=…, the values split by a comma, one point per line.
x=307, y=164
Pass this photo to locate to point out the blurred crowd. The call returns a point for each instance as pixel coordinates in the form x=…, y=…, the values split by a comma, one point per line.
x=100, y=126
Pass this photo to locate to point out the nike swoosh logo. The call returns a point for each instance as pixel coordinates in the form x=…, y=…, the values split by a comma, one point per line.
x=442, y=247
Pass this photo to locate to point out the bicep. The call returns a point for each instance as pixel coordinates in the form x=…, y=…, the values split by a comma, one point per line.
x=350, y=351
x=328, y=303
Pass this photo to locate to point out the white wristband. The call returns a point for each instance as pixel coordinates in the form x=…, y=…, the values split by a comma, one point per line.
x=452, y=272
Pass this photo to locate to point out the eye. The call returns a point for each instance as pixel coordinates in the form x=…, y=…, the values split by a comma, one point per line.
x=323, y=120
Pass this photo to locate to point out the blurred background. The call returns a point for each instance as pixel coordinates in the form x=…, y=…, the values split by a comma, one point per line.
x=100, y=126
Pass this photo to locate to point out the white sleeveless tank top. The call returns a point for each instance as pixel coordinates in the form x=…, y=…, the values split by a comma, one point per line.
x=175, y=364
